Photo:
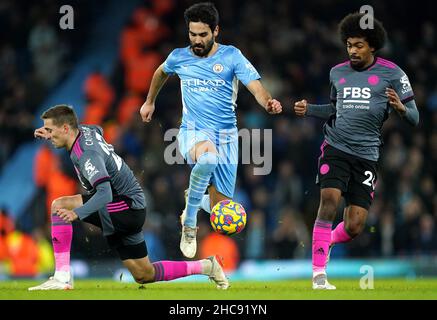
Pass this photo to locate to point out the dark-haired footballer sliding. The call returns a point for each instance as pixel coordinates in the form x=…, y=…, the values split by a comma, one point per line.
x=115, y=203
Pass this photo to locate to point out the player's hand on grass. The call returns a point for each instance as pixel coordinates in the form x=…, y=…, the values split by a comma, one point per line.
x=301, y=107
x=395, y=101
x=41, y=133
x=67, y=215
x=146, y=111
x=273, y=106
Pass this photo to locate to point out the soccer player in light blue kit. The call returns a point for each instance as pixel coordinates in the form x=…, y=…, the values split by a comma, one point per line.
x=208, y=138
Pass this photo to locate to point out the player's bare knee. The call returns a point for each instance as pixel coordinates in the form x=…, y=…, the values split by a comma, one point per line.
x=201, y=148
x=208, y=146
x=144, y=275
x=57, y=204
x=215, y=196
x=328, y=209
x=214, y=200
x=354, y=228
x=140, y=279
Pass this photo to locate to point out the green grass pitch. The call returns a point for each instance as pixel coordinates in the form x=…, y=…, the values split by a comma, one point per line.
x=386, y=289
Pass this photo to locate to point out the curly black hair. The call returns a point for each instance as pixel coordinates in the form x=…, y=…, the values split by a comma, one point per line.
x=350, y=27
x=204, y=12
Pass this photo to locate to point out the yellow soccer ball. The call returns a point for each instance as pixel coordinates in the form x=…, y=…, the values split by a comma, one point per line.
x=228, y=217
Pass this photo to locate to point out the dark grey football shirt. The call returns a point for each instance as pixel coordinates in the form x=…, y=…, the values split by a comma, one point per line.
x=361, y=106
x=96, y=162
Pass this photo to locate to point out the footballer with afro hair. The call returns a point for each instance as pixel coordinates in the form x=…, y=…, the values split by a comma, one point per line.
x=365, y=90
x=362, y=43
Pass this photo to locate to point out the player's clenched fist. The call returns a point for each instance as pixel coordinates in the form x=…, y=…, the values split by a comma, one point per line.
x=41, y=133
x=67, y=215
x=146, y=111
x=300, y=107
x=273, y=106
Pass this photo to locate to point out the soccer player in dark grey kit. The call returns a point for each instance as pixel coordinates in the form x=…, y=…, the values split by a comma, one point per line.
x=115, y=203
x=364, y=91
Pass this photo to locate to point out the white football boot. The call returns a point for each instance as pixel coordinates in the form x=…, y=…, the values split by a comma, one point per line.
x=54, y=284
x=184, y=212
x=188, y=243
x=320, y=282
x=217, y=274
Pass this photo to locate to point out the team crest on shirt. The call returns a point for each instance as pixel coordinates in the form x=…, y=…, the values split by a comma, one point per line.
x=406, y=86
x=217, y=68
x=90, y=169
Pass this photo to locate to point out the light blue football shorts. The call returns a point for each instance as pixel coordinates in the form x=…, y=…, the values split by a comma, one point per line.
x=226, y=143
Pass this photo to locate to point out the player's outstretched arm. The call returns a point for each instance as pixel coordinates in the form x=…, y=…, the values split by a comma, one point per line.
x=408, y=110
x=158, y=80
x=303, y=108
x=264, y=98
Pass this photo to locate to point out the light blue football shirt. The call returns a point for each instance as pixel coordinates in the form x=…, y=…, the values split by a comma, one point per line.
x=209, y=85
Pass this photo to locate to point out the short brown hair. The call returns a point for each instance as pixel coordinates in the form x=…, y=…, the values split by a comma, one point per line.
x=61, y=114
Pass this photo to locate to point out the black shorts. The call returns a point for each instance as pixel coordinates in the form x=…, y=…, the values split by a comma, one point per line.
x=354, y=176
x=128, y=238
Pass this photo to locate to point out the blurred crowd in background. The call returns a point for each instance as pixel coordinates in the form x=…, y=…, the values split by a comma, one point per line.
x=293, y=46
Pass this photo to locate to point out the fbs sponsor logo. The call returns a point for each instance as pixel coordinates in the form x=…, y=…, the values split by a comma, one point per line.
x=356, y=93
x=356, y=98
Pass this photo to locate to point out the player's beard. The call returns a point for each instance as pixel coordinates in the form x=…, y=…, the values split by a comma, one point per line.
x=357, y=64
x=360, y=62
x=203, y=50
